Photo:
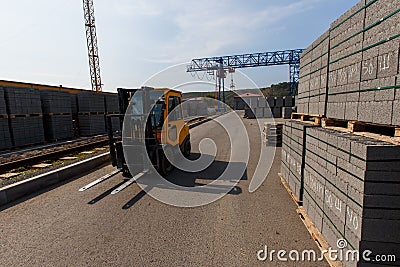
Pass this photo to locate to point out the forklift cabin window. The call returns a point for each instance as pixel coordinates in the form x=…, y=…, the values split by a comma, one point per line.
x=174, y=108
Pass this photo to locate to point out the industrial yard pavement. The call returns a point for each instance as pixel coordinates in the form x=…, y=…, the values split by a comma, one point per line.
x=62, y=226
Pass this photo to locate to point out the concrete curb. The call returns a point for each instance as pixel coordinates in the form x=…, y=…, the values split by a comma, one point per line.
x=15, y=191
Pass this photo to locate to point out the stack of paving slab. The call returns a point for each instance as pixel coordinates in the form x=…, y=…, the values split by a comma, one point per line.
x=271, y=107
x=5, y=137
x=314, y=61
x=25, y=116
x=350, y=184
x=293, y=140
x=91, y=113
x=354, y=182
x=57, y=113
x=112, y=107
x=356, y=62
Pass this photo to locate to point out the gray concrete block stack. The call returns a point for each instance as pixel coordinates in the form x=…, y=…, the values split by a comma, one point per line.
x=57, y=111
x=112, y=107
x=271, y=107
x=91, y=113
x=25, y=116
x=351, y=182
x=293, y=142
x=363, y=66
x=5, y=137
x=314, y=62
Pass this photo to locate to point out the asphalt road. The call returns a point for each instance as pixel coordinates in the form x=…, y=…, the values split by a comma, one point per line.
x=64, y=227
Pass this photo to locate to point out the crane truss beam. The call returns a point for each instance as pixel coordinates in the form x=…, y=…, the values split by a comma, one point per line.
x=287, y=57
x=93, y=51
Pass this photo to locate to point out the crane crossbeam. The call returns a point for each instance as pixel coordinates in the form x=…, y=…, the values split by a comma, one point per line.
x=286, y=57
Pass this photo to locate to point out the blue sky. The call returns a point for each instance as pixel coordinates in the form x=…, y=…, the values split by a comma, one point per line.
x=43, y=41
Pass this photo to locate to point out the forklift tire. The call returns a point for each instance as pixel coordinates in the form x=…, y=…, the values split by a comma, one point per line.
x=165, y=166
x=187, y=147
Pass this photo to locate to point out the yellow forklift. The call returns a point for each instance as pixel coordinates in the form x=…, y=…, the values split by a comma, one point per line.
x=151, y=122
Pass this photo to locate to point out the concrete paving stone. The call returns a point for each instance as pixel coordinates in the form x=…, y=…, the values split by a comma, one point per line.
x=386, y=214
x=351, y=112
x=382, y=112
x=368, y=95
x=353, y=213
x=111, y=102
x=365, y=111
x=3, y=109
x=382, y=189
x=369, y=68
x=386, y=94
x=354, y=193
x=58, y=127
x=335, y=204
x=382, y=201
x=90, y=102
x=388, y=62
x=396, y=113
x=380, y=248
x=330, y=233
x=376, y=151
x=279, y=102
x=271, y=100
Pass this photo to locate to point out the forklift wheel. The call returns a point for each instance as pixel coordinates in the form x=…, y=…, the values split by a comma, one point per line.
x=187, y=147
x=165, y=166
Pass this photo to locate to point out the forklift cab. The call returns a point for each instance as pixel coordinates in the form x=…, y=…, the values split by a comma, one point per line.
x=155, y=121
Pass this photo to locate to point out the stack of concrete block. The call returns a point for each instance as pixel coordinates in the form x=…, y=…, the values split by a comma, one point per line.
x=112, y=107
x=25, y=113
x=287, y=109
x=363, y=64
x=112, y=104
x=271, y=107
x=346, y=192
x=313, y=77
x=57, y=111
x=380, y=64
x=293, y=141
x=5, y=137
x=345, y=64
x=273, y=134
x=91, y=110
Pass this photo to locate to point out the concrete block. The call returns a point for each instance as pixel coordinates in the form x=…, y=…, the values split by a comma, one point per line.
x=396, y=113
x=3, y=108
x=5, y=137
x=279, y=101
x=351, y=111
x=277, y=112
x=289, y=101
x=382, y=112
x=55, y=102
x=369, y=68
x=90, y=102
x=58, y=127
x=271, y=101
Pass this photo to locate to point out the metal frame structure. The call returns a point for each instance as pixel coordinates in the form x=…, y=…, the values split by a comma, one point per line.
x=93, y=51
x=287, y=57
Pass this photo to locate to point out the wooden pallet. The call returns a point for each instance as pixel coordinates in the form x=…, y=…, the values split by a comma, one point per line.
x=386, y=133
x=3, y=116
x=317, y=236
x=292, y=195
x=92, y=113
x=13, y=116
x=57, y=114
x=308, y=118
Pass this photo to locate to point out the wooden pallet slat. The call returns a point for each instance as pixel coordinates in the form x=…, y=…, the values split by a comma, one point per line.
x=292, y=195
x=382, y=132
x=308, y=118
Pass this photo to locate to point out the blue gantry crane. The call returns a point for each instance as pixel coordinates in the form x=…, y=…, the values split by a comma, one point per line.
x=286, y=57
